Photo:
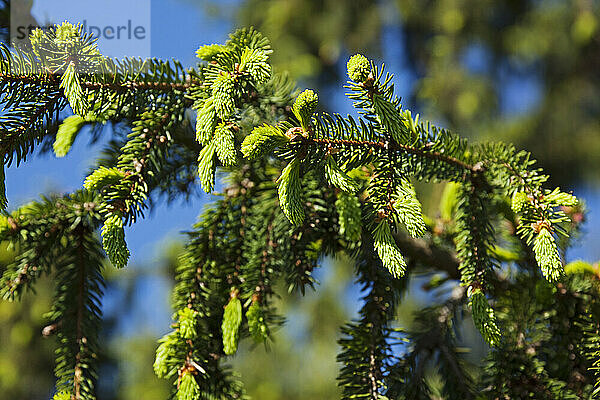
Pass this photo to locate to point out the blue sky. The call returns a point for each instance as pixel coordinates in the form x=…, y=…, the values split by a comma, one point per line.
x=123, y=27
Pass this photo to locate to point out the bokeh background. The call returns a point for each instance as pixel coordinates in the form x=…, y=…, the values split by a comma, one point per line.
x=524, y=71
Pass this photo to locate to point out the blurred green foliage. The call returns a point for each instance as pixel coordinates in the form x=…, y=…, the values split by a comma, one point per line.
x=136, y=379
x=300, y=363
x=311, y=36
x=26, y=357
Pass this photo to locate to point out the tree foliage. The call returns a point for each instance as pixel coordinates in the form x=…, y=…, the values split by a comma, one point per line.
x=465, y=62
x=298, y=185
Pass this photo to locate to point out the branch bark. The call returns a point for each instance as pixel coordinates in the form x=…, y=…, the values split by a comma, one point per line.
x=428, y=254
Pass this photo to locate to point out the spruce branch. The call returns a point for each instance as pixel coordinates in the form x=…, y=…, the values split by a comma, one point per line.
x=344, y=183
x=380, y=146
x=75, y=369
x=58, y=235
x=366, y=353
x=24, y=125
x=290, y=192
x=232, y=318
x=388, y=252
x=65, y=137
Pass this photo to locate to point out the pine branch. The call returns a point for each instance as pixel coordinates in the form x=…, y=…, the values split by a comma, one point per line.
x=37, y=230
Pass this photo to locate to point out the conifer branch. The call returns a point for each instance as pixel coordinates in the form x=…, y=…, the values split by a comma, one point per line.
x=423, y=252
x=310, y=186
x=57, y=235
x=21, y=135
x=79, y=339
x=378, y=145
x=113, y=81
x=78, y=309
x=366, y=344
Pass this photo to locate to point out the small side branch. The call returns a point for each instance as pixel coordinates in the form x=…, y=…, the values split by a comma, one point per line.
x=433, y=155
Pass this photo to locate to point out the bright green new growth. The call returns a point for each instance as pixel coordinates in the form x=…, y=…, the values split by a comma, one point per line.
x=580, y=267
x=66, y=134
x=223, y=94
x=547, y=256
x=224, y=141
x=233, y=70
x=103, y=177
x=305, y=106
x=561, y=199
x=66, y=32
x=541, y=214
x=164, y=353
x=210, y=52
x=483, y=317
x=388, y=252
x=71, y=52
x=290, y=192
x=206, y=167
x=408, y=209
x=449, y=200
x=254, y=62
x=349, y=216
x=359, y=68
x=338, y=178
x=187, y=323
x=62, y=396
x=113, y=241
x=65, y=46
x=188, y=387
x=262, y=141
x=73, y=91
x=206, y=122
x=259, y=331
x=230, y=328
x=520, y=203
